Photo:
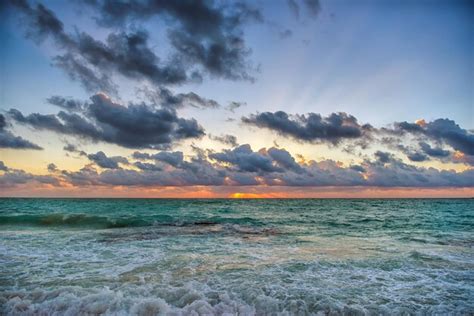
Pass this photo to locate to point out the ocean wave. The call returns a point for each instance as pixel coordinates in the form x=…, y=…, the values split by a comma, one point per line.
x=72, y=220
x=186, y=300
x=104, y=222
x=158, y=231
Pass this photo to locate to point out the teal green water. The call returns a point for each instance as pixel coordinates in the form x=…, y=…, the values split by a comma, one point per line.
x=236, y=257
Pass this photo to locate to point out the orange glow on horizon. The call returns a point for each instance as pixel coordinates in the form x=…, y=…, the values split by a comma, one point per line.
x=234, y=192
x=241, y=195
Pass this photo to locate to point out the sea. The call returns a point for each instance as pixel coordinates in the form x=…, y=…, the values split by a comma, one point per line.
x=236, y=257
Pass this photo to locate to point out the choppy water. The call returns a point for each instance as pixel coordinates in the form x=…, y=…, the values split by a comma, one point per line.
x=246, y=257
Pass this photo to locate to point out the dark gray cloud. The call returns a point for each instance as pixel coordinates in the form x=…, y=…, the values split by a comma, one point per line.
x=14, y=177
x=132, y=126
x=147, y=166
x=167, y=98
x=286, y=33
x=141, y=156
x=174, y=159
x=3, y=122
x=205, y=37
x=273, y=167
x=67, y=104
x=3, y=167
x=202, y=33
x=41, y=22
x=311, y=127
x=244, y=159
x=243, y=166
x=84, y=177
x=294, y=8
x=226, y=139
x=125, y=53
x=311, y=7
x=444, y=131
x=52, y=167
x=234, y=106
x=342, y=127
x=433, y=152
x=107, y=162
x=91, y=79
x=8, y=140
x=358, y=168
x=70, y=148
x=417, y=157
x=383, y=157
x=284, y=159
x=399, y=174
x=73, y=149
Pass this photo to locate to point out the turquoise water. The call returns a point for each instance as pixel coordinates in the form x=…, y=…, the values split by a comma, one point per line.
x=227, y=257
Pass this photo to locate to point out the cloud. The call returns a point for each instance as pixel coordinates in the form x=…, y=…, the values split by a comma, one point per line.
x=383, y=157
x=174, y=159
x=442, y=130
x=312, y=7
x=433, y=152
x=107, y=162
x=147, y=166
x=226, y=139
x=418, y=157
x=286, y=34
x=132, y=126
x=3, y=167
x=234, y=106
x=243, y=166
x=201, y=33
x=357, y=168
x=73, y=149
x=91, y=79
x=276, y=167
x=342, y=127
x=167, y=98
x=205, y=38
x=67, y=104
x=399, y=174
x=52, y=167
x=14, y=177
x=283, y=158
x=311, y=127
x=8, y=140
x=244, y=159
x=294, y=8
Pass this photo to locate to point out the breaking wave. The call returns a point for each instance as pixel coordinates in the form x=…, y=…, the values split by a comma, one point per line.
x=185, y=300
x=104, y=222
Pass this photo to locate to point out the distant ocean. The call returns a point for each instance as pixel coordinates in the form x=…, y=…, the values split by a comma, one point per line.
x=236, y=257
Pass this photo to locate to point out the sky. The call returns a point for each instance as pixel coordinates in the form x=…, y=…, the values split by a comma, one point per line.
x=241, y=99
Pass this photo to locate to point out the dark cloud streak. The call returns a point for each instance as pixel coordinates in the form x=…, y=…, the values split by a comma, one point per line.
x=8, y=140
x=311, y=127
x=132, y=126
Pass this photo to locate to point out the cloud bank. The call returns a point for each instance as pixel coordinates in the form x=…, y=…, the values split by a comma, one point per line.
x=242, y=166
x=101, y=119
x=206, y=38
x=8, y=140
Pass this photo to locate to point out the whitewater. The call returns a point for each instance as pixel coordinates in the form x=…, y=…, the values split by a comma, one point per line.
x=236, y=257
